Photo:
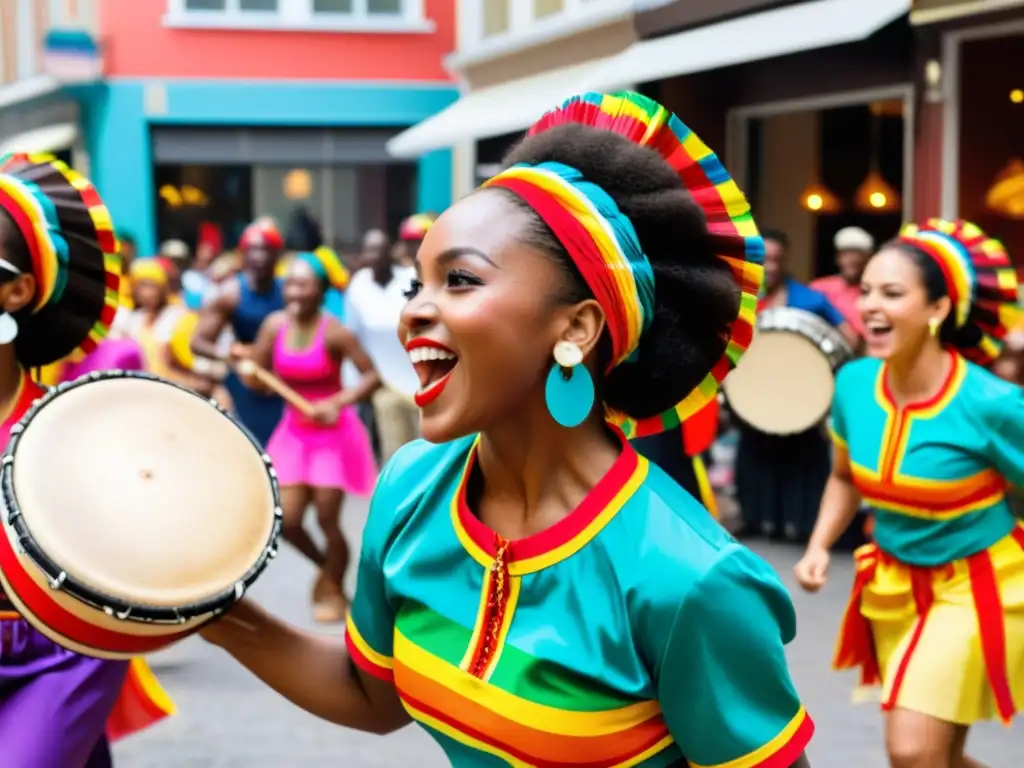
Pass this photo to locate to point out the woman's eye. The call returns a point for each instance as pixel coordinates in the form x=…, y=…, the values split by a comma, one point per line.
x=414, y=287
x=459, y=278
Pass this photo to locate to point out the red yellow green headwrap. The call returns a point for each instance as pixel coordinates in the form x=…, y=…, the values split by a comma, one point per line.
x=980, y=281
x=415, y=227
x=604, y=246
x=74, y=257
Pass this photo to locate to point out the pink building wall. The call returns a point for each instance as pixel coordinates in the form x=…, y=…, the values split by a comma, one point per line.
x=138, y=45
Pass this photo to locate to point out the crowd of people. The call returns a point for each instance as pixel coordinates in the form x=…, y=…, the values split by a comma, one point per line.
x=539, y=581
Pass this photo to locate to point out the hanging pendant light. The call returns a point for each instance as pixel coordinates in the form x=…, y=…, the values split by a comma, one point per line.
x=817, y=198
x=875, y=194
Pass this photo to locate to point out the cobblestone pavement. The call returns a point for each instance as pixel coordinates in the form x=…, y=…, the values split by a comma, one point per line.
x=229, y=720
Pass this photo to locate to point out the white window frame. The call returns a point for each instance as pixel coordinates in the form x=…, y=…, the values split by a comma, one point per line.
x=299, y=16
x=525, y=30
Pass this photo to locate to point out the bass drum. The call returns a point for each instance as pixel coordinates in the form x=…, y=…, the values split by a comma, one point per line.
x=785, y=382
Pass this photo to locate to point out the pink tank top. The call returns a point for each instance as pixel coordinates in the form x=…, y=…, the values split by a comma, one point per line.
x=311, y=371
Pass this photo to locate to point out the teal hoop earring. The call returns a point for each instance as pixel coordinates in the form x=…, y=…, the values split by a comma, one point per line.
x=569, y=392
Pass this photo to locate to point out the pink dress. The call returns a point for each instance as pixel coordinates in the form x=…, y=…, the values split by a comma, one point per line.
x=311, y=454
x=111, y=355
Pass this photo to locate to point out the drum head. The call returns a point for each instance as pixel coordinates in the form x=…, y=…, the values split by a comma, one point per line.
x=783, y=384
x=143, y=491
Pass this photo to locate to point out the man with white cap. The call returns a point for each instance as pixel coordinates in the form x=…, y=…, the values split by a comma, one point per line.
x=854, y=247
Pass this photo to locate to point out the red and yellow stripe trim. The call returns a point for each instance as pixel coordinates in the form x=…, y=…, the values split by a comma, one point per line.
x=143, y=702
x=566, y=537
x=481, y=716
x=931, y=499
x=482, y=617
x=780, y=752
x=364, y=657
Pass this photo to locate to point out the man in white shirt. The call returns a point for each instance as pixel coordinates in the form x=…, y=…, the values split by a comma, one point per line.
x=374, y=301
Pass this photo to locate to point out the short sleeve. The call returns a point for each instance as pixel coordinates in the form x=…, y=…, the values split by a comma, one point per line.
x=837, y=427
x=353, y=318
x=370, y=627
x=1006, y=440
x=724, y=685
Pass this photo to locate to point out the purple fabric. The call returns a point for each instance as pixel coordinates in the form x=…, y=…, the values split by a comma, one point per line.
x=112, y=354
x=54, y=703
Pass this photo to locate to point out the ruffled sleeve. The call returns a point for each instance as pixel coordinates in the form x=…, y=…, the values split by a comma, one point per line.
x=724, y=685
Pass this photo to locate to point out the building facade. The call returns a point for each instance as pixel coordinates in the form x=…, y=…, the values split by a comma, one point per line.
x=203, y=112
x=515, y=59
x=40, y=106
x=222, y=110
x=971, y=77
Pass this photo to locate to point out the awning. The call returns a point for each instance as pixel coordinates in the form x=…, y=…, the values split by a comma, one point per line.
x=764, y=35
x=494, y=110
x=52, y=138
x=937, y=11
x=26, y=90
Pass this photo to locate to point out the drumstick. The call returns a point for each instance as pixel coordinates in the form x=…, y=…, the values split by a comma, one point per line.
x=273, y=383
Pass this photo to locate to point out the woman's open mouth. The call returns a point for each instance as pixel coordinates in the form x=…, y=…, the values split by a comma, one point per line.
x=434, y=364
x=879, y=331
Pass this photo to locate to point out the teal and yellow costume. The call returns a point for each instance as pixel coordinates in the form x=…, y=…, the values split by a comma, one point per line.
x=634, y=632
x=937, y=613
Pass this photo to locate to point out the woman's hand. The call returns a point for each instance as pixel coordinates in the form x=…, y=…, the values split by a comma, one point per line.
x=327, y=412
x=812, y=570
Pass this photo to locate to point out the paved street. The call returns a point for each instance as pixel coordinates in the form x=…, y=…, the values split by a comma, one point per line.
x=228, y=720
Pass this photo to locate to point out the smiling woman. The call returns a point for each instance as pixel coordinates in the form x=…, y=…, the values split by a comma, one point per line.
x=530, y=588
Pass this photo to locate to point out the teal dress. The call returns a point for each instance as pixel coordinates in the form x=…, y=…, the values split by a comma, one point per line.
x=934, y=473
x=634, y=632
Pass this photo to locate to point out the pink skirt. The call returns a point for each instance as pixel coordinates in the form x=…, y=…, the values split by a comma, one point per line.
x=340, y=456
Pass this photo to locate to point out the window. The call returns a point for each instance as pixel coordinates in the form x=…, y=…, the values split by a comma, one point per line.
x=307, y=15
x=496, y=17
x=544, y=8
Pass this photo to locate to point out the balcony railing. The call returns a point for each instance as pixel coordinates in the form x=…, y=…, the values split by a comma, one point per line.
x=24, y=24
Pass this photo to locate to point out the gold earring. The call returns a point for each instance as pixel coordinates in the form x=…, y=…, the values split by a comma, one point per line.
x=933, y=326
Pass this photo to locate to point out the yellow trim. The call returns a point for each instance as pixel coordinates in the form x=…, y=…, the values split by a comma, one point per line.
x=885, y=505
x=478, y=626
x=758, y=756
x=462, y=738
x=469, y=741
x=151, y=686
x=530, y=714
x=9, y=616
x=839, y=442
x=385, y=662
x=514, y=585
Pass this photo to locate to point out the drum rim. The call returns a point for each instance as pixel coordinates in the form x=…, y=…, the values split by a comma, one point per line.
x=59, y=579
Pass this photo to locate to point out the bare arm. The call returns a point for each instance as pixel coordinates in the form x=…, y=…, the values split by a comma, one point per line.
x=342, y=343
x=213, y=318
x=802, y=762
x=314, y=673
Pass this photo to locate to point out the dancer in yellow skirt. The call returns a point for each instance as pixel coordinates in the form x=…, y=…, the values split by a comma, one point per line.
x=931, y=440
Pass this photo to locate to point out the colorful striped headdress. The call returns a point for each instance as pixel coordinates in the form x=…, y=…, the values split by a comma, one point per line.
x=604, y=245
x=415, y=227
x=327, y=266
x=980, y=281
x=76, y=266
